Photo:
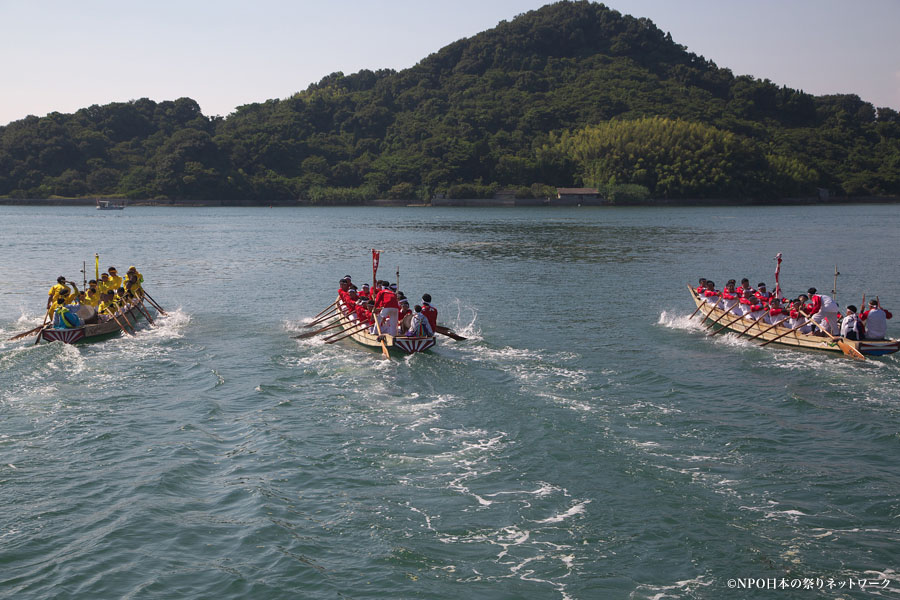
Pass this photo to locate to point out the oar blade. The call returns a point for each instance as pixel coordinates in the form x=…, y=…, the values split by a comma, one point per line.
x=850, y=350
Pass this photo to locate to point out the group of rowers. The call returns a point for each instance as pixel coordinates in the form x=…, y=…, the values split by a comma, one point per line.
x=758, y=304
x=362, y=304
x=108, y=296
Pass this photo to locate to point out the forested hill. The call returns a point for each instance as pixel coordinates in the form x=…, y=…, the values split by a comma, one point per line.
x=571, y=94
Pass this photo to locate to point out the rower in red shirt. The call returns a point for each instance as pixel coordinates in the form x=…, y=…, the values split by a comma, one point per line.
x=730, y=296
x=745, y=285
x=700, y=288
x=761, y=293
x=429, y=311
x=343, y=294
x=711, y=294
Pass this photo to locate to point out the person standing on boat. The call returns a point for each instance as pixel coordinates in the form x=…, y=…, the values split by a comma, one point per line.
x=386, y=301
x=56, y=290
x=364, y=291
x=429, y=311
x=851, y=325
x=876, y=320
x=115, y=282
x=824, y=311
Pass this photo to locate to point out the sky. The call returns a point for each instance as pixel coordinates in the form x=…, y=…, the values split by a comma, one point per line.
x=63, y=55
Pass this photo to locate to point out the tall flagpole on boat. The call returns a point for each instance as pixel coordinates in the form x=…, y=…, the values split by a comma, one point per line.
x=834, y=285
x=777, y=272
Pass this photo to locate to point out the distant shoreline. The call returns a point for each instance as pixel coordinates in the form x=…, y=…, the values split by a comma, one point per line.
x=471, y=202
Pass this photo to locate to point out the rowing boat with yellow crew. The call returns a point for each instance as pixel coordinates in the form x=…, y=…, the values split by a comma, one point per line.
x=111, y=304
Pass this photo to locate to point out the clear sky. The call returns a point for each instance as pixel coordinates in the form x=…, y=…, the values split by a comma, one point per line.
x=62, y=55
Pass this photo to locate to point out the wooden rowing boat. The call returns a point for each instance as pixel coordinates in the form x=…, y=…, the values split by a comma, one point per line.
x=409, y=345
x=91, y=332
x=779, y=334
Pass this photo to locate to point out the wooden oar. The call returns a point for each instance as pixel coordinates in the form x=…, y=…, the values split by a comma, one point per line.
x=315, y=322
x=30, y=331
x=725, y=312
x=41, y=330
x=155, y=304
x=725, y=327
x=349, y=330
x=752, y=323
x=327, y=308
x=346, y=333
x=309, y=334
x=448, y=332
x=780, y=335
x=119, y=323
x=140, y=306
x=693, y=291
x=25, y=333
x=384, y=349
x=125, y=318
x=844, y=346
x=712, y=307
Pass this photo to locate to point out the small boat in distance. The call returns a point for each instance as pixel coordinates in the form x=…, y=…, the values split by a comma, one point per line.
x=110, y=204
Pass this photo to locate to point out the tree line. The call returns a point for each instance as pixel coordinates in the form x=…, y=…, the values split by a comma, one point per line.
x=572, y=94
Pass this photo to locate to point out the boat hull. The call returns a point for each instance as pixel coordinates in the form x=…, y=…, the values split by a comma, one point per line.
x=407, y=345
x=785, y=337
x=88, y=333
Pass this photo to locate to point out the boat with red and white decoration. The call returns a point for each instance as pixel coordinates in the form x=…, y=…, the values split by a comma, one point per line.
x=767, y=333
x=408, y=345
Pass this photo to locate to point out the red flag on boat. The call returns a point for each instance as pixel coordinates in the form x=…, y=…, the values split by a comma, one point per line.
x=777, y=272
x=376, y=254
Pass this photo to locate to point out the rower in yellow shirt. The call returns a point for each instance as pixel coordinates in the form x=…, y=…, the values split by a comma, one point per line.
x=92, y=298
x=115, y=282
x=56, y=290
x=133, y=284
x=104, y=285
x=71, y=296
x=107, y=304
x=134, y=270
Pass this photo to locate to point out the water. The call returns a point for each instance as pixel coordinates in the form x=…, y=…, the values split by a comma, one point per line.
x=587, y=441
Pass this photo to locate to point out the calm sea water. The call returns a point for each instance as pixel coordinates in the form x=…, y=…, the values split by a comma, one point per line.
x=587, y=441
